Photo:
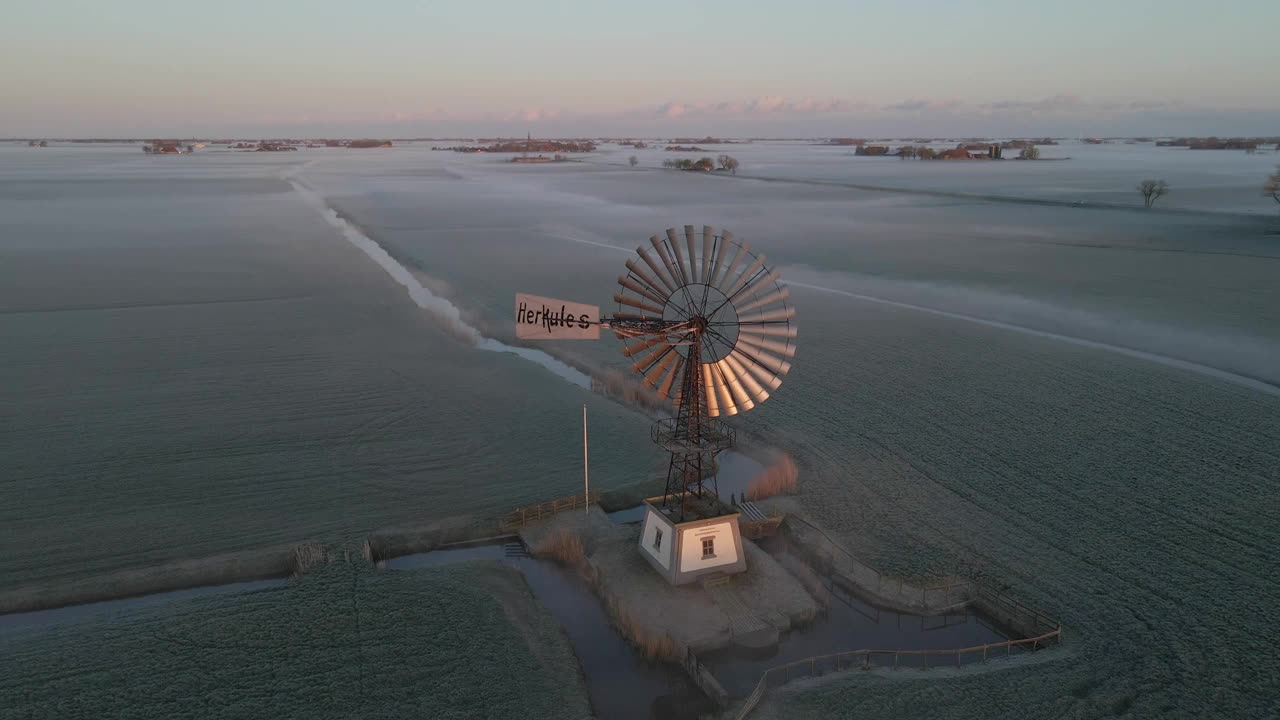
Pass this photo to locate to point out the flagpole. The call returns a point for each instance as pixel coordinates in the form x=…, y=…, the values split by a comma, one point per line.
x=586, y=484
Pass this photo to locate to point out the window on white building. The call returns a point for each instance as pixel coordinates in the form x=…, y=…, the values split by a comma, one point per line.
x=657, y=539
x=708, y=547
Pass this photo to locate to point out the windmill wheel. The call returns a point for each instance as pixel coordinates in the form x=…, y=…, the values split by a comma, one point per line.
x=702, y=315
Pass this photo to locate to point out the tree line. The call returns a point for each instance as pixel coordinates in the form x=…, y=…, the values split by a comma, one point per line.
x=724, y=163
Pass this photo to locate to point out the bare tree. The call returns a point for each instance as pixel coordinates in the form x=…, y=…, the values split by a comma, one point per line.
x=1152, y=190
x=634, y=161
x=1030, y=152
x=729, y=163
x=1272, y=187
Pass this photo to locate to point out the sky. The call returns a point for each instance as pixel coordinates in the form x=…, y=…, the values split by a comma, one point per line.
x=803, y=68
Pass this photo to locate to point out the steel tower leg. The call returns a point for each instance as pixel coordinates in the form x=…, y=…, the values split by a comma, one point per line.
x=685, y=472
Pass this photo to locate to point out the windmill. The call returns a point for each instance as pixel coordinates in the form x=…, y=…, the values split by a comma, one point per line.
x=707, y=325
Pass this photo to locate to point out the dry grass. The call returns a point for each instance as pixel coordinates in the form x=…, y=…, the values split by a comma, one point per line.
x=780, y=477
x=654, y=646
x=272, y=562
x=632, y=494
x=308, y=556
x=565, y=548
x=387, y=544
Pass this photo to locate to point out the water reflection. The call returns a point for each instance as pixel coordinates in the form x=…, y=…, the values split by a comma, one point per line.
x=849, y=624
x=735, y=473
x=620, y=683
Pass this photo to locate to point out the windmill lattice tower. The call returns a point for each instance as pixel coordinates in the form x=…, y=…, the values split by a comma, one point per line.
x=708, y=325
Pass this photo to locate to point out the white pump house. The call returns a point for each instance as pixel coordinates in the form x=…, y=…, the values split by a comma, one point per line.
x=684, y=551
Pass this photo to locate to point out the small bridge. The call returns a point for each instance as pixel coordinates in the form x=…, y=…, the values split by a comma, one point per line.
x=754, y=523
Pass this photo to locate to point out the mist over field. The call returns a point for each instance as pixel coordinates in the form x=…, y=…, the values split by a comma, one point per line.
x=224, y=351
x=1221, y=354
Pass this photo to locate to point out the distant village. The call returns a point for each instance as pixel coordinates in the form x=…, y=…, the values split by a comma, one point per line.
x=1026, y=150
x=188, y=146
x=1213, y=143
x=528, y=150
x=528, y=145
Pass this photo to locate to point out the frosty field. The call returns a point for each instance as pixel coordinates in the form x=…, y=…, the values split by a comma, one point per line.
x=345, y=642
x=1079, y=402
x=196, y=363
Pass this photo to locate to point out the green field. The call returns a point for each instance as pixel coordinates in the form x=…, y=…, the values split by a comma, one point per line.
x=464, y=641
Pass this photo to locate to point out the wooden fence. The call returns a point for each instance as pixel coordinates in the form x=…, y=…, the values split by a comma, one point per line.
x=868, y=659
x=704, y=679
x=517, y=518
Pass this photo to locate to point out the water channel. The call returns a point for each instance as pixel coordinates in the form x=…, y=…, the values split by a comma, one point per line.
x=621, y=684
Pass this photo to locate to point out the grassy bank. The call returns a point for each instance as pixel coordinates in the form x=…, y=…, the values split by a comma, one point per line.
x=464, y=641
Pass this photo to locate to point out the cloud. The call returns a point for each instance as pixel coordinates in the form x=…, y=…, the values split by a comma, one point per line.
x=768, y=104
x=1057, y=103
x=776, y=106
x=809, y=105
x=1069, y=103
x=533, y=115
x=921, y=105
x=674, y=110
x=1142, y=105
x=760, y=106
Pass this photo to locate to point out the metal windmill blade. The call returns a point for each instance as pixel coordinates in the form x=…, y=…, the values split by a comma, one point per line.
x=713, y=322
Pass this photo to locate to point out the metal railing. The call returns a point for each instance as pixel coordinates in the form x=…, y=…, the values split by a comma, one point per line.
x=518, y=517
x=1006, y=608
x=832, y=559
x=939, y=598
x=868, y=659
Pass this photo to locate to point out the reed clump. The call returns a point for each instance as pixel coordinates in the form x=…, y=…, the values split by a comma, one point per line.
x=780, y=477
x=565, y=548
x=307, y=557
x=568, y=549
x=653, y=645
